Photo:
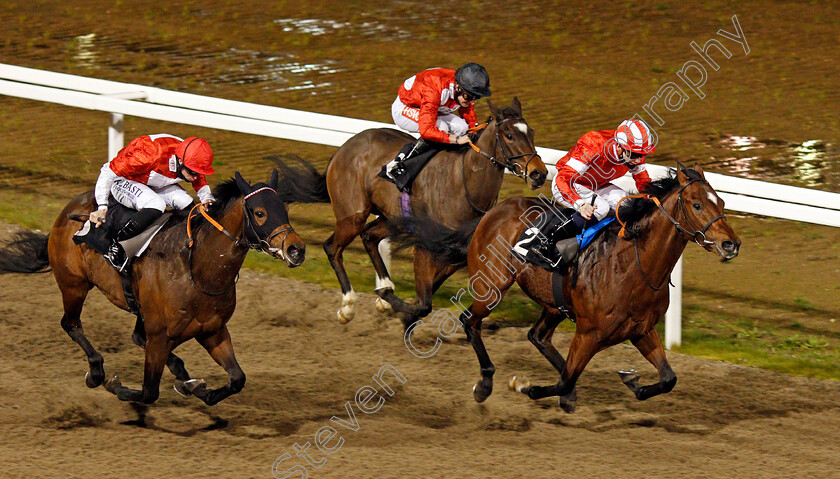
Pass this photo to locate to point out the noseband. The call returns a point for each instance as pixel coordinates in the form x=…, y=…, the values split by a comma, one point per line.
x=250, y=228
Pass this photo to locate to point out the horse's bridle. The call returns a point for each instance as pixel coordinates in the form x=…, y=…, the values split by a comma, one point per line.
x=693, y=235
x=250, y=228
x=508, y=164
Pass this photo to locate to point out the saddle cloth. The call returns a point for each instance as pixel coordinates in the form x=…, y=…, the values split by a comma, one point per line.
x=118, y=215
x=411, y=168
x=540, y=238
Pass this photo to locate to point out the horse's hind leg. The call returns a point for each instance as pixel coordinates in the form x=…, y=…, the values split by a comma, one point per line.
x=74, y=298
x=651, y=348
x=345, y=231
x=375, y=240
x=174, y=363
x=157, y=350
x=221, y=350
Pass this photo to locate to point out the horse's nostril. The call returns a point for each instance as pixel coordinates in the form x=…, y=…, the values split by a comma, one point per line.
x=728, y=246
x=296, y=252
x=537, y=176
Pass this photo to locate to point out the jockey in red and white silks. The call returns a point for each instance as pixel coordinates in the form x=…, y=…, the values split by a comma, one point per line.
x=596, y=159
x=428, y=103
x=146, y=173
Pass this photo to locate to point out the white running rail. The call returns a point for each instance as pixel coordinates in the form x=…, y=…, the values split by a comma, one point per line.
x=120, y=99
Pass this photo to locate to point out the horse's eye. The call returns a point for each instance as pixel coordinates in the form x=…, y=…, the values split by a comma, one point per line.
x=696, y=206
x=259, y=214
x=508, y=136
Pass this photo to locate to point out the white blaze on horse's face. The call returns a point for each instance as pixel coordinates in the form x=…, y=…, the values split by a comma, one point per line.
x=521, y=127
x=712, y=197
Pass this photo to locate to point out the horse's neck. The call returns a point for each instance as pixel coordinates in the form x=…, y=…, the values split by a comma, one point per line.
x=483, y=177
x=661, y=245
x=213, y=252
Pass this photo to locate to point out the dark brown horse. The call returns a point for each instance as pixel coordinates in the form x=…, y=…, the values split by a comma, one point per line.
x=182, y=293
x=454, y=187
x=617, y=292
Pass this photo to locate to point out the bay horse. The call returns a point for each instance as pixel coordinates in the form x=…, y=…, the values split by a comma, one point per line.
x=456, y=186
x=616, y=292
x=183, y=292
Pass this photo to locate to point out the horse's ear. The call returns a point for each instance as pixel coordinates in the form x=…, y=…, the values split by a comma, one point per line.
x=517, y=106
x=699, y=169
x=272, y=183
x=493, y=108
x=243, y=185
x=682, y=177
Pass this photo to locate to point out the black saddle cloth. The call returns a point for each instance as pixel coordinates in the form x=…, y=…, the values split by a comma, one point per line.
x=100, y=238
x=536, y=244
x=411, y=167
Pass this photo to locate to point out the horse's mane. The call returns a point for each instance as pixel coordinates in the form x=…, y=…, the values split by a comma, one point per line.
x=635, y=209
x=225, y=193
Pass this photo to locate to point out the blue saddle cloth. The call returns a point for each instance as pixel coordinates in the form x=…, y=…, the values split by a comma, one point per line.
x=590, y=233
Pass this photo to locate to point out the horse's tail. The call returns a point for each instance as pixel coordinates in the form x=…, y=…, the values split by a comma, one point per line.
x=300, y=185
x=447, y=244
x=25, y=253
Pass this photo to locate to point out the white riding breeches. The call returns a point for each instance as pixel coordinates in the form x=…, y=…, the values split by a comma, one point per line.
x=406, y=117
x=606, y=199
x=133, y=194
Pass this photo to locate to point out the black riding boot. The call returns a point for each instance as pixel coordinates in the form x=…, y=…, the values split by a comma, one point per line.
x=395, y=167
x=566, y=245
x=138, y=222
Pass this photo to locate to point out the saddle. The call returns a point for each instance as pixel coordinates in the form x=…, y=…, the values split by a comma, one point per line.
x=410, y=167
x=118, y=215
x=536, y=244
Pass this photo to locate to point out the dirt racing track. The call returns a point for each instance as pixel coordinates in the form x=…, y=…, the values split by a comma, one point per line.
x=303, y=369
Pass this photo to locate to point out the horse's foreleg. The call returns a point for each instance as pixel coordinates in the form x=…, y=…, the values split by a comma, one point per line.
x=378, y=247
x=157, y=350
x=71, y=322
x=472, y=326
x=174, y=363
x=581, y=351
x=651, y=348
x=345, y=231
x=221, y=350
x=429, y=275
x=540, y=336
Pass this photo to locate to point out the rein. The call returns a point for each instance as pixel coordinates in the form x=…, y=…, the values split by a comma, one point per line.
x=698, y=231
x=248, y=226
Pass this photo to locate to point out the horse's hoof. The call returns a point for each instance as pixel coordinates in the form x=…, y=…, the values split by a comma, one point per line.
x=181, y=388
x=92, y=382
x=567, y=405
x=195, y=386
x=113, y=385
x=342, y=318
x=383, y=306
x=629, y=376
x=479, y=395
x=520, y=385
